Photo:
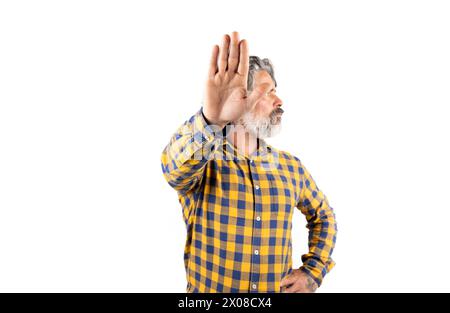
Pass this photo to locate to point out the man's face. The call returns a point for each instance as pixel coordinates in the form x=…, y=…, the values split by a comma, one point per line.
x=265, y=119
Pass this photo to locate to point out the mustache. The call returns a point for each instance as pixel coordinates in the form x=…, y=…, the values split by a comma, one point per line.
x=277, y=111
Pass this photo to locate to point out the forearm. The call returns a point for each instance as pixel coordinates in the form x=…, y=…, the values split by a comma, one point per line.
x=322, y=228
x=322, y=238
x=184, y=159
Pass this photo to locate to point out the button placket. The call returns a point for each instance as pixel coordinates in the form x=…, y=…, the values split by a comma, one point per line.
x=256, y=238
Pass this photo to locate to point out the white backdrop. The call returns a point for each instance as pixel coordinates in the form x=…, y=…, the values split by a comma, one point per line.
x=91, y=91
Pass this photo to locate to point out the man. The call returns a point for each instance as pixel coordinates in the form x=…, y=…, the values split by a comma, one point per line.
x=237, y=192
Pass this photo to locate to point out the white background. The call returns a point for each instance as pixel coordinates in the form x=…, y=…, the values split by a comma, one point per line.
x=91, y=91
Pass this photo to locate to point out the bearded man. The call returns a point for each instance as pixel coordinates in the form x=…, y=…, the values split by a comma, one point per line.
x=237, y=192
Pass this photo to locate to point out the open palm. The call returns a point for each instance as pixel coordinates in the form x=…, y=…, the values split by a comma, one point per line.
x=226, y=96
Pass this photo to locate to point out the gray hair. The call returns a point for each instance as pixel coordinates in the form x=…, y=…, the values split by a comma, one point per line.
x=257, y=64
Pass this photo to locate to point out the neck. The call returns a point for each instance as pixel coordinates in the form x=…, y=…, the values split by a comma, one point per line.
x=245, y=142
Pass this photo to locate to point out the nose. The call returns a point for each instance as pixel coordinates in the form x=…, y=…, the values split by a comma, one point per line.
x=277, y=103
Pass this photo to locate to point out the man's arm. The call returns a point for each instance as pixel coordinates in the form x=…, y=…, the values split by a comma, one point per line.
x=225, y=100
x=191, y=147
x=322, y=228
x=184, y=159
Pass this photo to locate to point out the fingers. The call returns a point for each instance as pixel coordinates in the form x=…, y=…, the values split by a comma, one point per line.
x=289, y=290
x=233, y=58
x=243, y=59
x=288, y=280
x=223, y=54
x=296, y=288
x=295, y=282
x=213, y=62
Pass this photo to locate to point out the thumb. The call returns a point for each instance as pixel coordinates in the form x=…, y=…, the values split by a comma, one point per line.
x=288, y=280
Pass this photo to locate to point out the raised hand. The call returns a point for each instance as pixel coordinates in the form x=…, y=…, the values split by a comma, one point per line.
x=226, y=97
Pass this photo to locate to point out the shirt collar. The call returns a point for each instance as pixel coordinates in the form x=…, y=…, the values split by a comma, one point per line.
x=263, y=150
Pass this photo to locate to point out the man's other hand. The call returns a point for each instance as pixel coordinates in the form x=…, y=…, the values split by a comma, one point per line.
x=298, y=282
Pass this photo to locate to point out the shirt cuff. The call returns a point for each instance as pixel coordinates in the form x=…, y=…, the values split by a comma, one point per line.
x=206, y=139
x=203, y=132
x=316, y=270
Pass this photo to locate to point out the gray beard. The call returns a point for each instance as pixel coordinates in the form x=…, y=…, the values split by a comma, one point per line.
x=261, y=127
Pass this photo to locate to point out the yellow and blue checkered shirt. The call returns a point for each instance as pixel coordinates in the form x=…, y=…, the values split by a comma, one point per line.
x=238, y=212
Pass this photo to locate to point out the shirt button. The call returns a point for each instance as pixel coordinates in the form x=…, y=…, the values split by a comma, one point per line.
x=256, y=252
x=254, y=286
x=258, y=218
x=257, y=187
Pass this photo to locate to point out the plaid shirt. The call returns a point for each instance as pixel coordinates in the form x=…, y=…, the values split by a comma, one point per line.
x=238, y=212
